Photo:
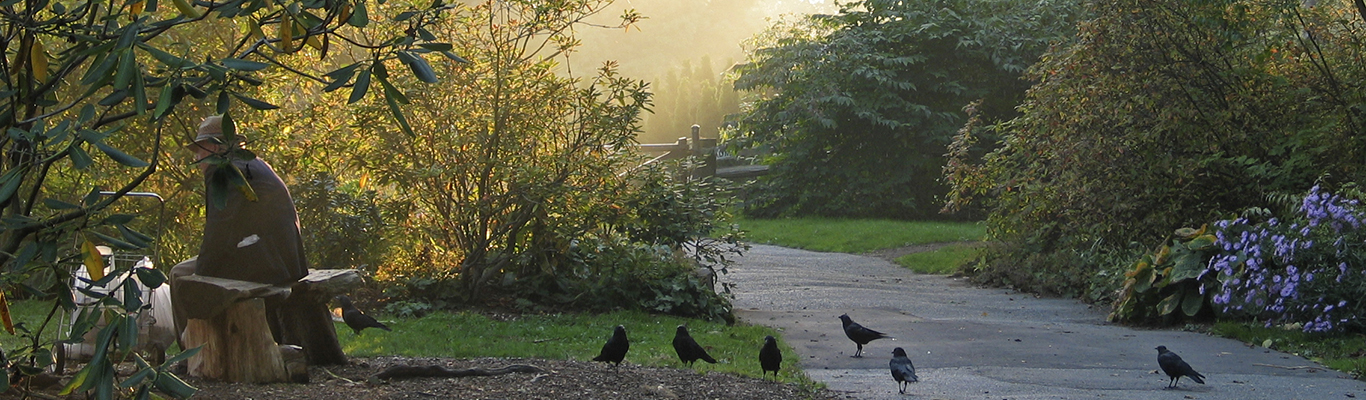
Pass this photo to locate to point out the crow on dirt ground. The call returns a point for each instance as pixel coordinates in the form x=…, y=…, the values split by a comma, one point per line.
x=859, y=334
x=356, y=319
x=1176, y=368
x=770, y=358
x=614, y=351
x=688, y=350
x=902, y=369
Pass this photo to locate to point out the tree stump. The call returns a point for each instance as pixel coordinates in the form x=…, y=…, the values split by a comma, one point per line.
x=237, y=345
x=229, y=321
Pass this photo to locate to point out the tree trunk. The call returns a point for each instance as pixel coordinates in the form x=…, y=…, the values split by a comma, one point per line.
x=237, y=345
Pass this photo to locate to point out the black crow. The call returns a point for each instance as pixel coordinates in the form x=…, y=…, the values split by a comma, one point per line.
x=614, y=351
x=770, y=358
x=859, y=334
x=688, y=350
x=1175, y=367
x=902, y=369
x=356, y=319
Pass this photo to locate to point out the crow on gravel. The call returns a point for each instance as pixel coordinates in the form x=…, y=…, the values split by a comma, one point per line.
x=902, y=369
x=688, y=350
x=859, y=334
x=1176, y=368
x=356, y=319
x=614, y=351
x=770, y=358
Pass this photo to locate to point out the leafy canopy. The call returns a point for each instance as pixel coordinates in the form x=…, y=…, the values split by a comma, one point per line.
x=80, y=77
x=858, y=106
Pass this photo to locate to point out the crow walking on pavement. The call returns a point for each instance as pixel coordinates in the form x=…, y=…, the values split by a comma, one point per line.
x=688, y=350
x=770, y=358
x=859, y=334
x=902, y=369
x=1176, y=368
x=356, y=319
x=614, y=351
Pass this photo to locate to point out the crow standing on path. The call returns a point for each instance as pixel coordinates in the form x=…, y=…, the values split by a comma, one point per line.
x=770, y=358
x=902, y=369
x=1175, y=367
x=356, y=319
x=688, y=350
x=614, y=351
x=859, y=334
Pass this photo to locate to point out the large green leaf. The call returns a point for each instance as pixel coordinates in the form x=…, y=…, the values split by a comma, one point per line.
x=79, y=158
x=398, y=114
x=1168, y=305
x=362, y=85
x=255, y=103
x=244, y=65
x=174, y=386
x=421, y=69
x=359, y=17
x=152, y=278
x=9, y=183
x=1193, y=301
x=218, y=187
x=1143, y=277
x=1201, y=242
x=112, y=241
x=1186, y=264
x=120, y=157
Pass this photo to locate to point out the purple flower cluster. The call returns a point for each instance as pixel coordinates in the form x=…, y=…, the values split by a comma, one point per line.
x=1322, y=207
x=1286, y=273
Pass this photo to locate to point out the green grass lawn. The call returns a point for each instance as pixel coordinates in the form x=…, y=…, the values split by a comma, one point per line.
x=568, y=336
x=862, y=236
x=942, y=261
x=1341, y=352
x=31, y=314
x=559, y=336
x=856, y=236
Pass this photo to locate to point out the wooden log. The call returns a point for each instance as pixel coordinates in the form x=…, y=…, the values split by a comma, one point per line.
x=237, y=345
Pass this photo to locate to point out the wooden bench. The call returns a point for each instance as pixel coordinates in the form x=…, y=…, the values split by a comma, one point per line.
x=228, y=318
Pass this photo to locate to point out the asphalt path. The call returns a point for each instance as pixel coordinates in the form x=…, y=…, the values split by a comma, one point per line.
x=978, y=343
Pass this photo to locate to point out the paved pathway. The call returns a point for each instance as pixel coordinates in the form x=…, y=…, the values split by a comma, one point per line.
x=975, y=343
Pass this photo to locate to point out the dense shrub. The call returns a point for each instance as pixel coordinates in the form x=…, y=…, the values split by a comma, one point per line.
x=857, y=107
x=1162, y=115
x=343, y=226
x=1304, y=270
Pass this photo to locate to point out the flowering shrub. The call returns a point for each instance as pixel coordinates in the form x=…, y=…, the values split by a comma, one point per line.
x=1308, y=271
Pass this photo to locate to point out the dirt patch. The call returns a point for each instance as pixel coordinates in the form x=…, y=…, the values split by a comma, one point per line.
x=559, y=379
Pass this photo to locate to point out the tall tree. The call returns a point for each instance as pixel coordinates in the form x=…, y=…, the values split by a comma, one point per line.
x=511, y=163
x=690, y=95
x=858, y=106
x=79, y=79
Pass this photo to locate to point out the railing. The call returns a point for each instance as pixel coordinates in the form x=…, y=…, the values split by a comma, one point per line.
x=704, y=148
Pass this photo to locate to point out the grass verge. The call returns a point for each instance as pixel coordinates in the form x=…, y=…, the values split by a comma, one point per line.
x=1342, y=352
x=941, y=261
x=856, y=235
x=560, y=336
x=569, y=336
